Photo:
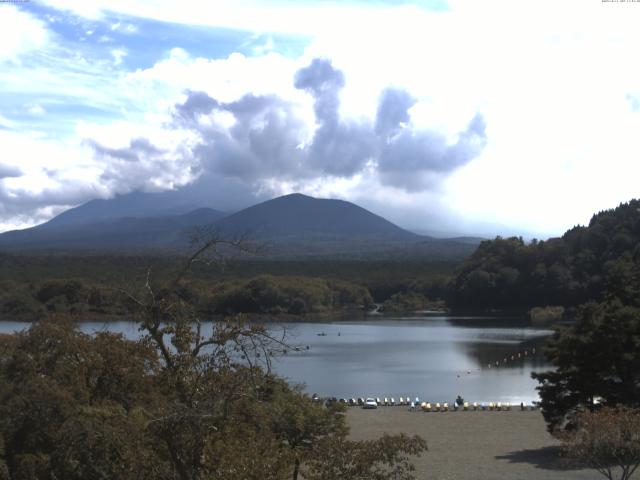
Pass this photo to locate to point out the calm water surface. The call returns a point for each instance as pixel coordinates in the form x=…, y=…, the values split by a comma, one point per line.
x=432, y=357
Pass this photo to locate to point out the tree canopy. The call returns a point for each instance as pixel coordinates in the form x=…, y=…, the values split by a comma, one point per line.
x=586, y=263
x=607, y=441
x=595, y=360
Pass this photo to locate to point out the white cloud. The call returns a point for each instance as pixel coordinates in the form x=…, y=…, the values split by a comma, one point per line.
x=118, y=54
x=20, y=33
x=126, y=28
x=6, y=123
x=35, y=109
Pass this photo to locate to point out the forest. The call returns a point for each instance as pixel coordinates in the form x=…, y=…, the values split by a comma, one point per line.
x=594, y=262
x=90, y=287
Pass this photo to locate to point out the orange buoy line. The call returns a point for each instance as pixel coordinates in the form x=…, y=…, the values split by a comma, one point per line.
x=512, y=358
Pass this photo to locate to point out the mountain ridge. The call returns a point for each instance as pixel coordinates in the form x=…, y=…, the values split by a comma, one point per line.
x=293, y=225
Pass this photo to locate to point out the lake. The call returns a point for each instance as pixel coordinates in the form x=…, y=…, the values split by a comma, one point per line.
x=432, y=356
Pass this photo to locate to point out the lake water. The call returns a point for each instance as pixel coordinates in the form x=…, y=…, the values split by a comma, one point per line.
x=433, y=357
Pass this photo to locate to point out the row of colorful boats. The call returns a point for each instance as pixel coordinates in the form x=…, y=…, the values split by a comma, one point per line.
x=416, y=404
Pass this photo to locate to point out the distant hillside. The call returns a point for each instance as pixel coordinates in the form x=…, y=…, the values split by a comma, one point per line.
x=135, y=204
x=110, y=234
x=586, y=263
x=292, y=226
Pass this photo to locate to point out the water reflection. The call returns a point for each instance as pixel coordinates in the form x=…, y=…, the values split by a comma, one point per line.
x=431, y=357
x=434, y=357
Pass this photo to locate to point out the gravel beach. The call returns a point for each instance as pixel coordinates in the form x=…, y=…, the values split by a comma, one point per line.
x=473, y=445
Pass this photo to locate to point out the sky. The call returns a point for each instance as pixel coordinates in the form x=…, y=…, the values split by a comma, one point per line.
x=455, y=116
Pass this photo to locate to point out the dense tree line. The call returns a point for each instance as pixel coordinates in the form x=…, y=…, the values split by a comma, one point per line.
x=587, y=263
x=88, y=286
x=264, y=294
x=293, y=295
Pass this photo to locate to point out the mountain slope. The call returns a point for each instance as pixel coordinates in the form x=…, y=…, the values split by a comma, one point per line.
x=110, y=234
x=298, y=215
x=135, y=204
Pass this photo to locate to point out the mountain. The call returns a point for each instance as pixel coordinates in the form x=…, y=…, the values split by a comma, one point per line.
x=109, y=234
x=292, y=226
x=298, y=215
x=135, y=204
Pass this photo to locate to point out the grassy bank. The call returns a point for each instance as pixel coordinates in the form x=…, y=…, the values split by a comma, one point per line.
x=510, y=445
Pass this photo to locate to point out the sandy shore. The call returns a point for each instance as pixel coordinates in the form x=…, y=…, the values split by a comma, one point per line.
x=473, y=445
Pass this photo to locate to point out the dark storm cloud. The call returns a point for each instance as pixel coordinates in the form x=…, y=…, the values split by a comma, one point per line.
x=137, y=149
x=265, y=141
x=393, y=111
x=7, y=171
x=324, y=83
x=414, y=160
x=339, y=148
x=262, y=142
x=197, y=103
